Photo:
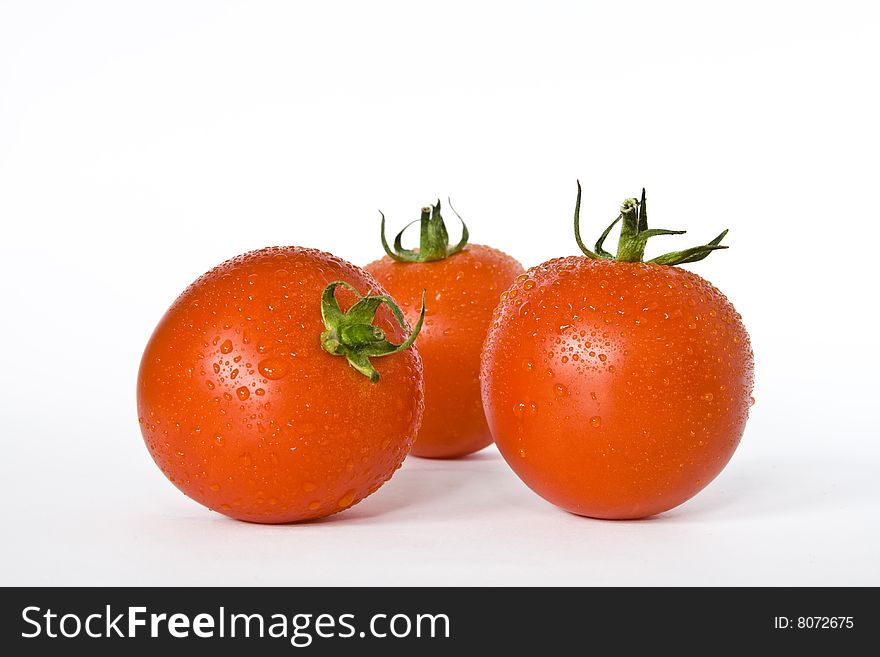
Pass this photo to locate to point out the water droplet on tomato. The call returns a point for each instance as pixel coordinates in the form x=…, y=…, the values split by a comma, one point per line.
x=210, y=385
x=560, y=390
x=243, y=393
x=346, y=500
x=259, y=392
x=529, y=284
x=226, y=347
x=708, y=396
x=216, y=368
x=751, y=401
x=527, y=365
x=519, y=408
x=273, y=368
x=234, y=373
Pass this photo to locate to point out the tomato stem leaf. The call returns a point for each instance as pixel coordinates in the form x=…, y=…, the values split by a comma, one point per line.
x=634, y=236
x=577, y=228
x=601, y=241
x=352, y=333
x=433, y=238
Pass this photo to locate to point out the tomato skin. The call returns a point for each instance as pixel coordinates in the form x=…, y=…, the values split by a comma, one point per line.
x=615, y=389
x=242, y=409
x=462, y=291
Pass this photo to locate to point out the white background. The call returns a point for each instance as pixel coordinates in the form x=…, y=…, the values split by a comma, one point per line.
x=143, y=143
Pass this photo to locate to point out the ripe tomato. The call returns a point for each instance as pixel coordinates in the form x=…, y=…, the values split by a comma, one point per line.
x=463, y=285
x=617, y=389
x=246, y=411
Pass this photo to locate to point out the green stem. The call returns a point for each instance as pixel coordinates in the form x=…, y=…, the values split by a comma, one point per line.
x=634, y=235
x=352, y=334
x=434, y=238
x=629, y=247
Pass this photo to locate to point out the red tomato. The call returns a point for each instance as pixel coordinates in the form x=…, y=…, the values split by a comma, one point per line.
x=463, y=285
x=244, y=409
x=617, y=389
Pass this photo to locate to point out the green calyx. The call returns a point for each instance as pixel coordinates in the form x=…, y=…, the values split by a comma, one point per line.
x=434, y=239
x=352, y=334
x=634, y=235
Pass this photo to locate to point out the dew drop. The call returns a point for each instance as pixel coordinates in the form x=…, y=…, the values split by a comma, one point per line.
x=707, y=397
x=751, y=401
x=519, y=408
x=560, y=390
x=595, y=421
x=226, y=347
x=527, y=365
x=346, y=500
x=259, y=392
x=216, y=368
x=273, y=368
x=210, y=385
x=243, y=393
